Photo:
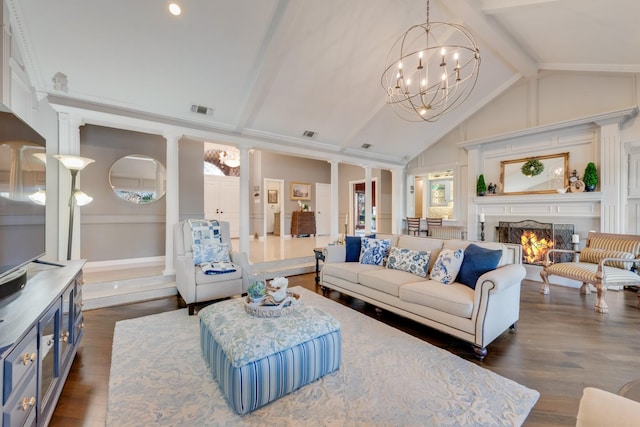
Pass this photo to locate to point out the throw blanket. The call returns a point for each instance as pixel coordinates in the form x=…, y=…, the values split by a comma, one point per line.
x=205, y=232
x=220, y=267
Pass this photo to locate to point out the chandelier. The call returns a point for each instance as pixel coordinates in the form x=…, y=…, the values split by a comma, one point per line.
x=431, y=69
x=230, y=157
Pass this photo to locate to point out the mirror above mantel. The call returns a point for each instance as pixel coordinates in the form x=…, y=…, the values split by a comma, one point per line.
x=535, y=175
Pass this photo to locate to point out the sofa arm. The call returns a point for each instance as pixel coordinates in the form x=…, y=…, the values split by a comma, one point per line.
x=334, y=253
x=502, y=278
x=548, y=262
x=601, y=408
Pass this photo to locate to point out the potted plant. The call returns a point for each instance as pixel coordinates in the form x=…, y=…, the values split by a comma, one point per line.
x=256, y=291
x=590, y=178
x=481, y=186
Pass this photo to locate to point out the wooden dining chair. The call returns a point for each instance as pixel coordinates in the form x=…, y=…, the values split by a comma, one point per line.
x=413, y=226
x=433, y=222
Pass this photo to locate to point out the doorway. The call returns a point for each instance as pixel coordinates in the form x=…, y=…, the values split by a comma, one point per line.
x=273, y=219
x=357, y=206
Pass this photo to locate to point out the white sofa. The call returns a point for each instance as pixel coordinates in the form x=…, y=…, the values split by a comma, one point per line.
x=599, y=408
x=478, y=316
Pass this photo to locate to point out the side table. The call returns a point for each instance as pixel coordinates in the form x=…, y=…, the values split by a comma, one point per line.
x=319, y=257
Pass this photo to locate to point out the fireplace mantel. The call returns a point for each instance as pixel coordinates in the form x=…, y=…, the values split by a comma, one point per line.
x=585, y=205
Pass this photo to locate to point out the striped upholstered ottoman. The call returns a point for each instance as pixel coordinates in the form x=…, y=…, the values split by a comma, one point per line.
x=257, y=360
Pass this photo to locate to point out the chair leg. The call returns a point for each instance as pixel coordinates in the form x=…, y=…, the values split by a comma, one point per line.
x=191, y=309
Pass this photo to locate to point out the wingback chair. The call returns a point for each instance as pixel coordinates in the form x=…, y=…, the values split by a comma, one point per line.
x=193, y=284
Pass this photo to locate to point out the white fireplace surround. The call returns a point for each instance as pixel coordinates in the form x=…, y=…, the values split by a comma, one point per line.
x=594, y=138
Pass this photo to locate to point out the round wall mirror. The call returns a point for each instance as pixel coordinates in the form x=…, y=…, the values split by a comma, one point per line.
x=138, y=179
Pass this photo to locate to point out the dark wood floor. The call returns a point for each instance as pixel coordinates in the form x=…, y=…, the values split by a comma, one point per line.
x=562, y=345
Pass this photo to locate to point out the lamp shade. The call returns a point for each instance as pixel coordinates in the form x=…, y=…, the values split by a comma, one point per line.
x=82, y=198
x=39, y=197
x=76, y=163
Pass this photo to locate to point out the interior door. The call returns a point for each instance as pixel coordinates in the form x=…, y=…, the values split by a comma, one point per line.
x=323, y=209
x=222, y=201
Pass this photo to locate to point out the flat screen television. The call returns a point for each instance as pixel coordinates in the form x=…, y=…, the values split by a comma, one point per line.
x=22, y=185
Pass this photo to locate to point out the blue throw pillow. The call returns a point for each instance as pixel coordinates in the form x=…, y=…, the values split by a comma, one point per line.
x=353, y=244
x=477, y=261
x=374, y=251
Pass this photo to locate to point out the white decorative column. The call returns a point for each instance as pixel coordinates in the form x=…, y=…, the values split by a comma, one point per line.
x=473, y=168
x=612, y=177
x=68, y=143
x=5, y=54
x=172, y=200
x=244, y=200
x=335, y=200
x=397, y=193
x=367, y=200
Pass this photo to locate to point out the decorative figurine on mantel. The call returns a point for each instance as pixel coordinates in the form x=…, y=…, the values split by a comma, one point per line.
x=492, y=188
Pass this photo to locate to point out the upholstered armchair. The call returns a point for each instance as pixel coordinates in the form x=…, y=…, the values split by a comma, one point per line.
x=199, y=245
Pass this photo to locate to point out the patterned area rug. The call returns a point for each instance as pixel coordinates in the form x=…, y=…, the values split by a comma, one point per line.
x=387, y=377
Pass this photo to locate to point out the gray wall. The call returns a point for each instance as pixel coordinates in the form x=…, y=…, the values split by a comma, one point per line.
x=290, y=169
x=113, y=228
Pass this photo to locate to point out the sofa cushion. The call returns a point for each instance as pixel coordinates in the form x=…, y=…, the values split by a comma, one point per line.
x=613, y=244
x=421, y=244
x=347, y=270
x=374, y=251
x=416, y=262
x=476, y=262
x=595, y=255
x=386, y=280
x=447, y=266
x=353, y=245
x=462, y=244
x=456, y=299
x=586, y=272
x=214, y=252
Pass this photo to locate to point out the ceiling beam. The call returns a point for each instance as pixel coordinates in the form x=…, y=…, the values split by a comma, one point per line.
x=492, y=7
x=494, y=36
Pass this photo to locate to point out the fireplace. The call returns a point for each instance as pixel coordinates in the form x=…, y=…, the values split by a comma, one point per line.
x=537, y=239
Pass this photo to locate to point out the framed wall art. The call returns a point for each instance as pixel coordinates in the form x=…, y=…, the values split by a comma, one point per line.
x=272, y=196
x=300, y=191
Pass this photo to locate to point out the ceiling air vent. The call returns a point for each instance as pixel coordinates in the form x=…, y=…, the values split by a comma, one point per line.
x=309, y=133
x=201, y=109
x=365, y=145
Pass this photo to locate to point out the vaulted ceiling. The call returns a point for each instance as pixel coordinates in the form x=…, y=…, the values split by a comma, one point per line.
x=271, y=69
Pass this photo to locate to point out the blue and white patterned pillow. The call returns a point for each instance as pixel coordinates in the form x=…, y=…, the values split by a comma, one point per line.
x=416, y=262
x=205, y=232
x=374, y=251
x=216, y=252
x=447, y=266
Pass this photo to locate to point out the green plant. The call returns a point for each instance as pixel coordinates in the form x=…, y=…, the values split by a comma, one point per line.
x=481, y=186
x=256, y=289
x=590, y=175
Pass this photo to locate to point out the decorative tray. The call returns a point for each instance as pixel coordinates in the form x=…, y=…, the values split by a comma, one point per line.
x=269, y=307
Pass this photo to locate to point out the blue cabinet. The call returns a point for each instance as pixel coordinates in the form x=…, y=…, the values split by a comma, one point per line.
x=40, y=330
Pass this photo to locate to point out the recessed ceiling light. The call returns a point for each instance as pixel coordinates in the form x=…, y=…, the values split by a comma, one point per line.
x=174, y=8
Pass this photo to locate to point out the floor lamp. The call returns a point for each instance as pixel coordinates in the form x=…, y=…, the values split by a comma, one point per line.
x=75, y=164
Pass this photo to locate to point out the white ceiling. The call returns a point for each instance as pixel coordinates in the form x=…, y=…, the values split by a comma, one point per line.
x=272, y=69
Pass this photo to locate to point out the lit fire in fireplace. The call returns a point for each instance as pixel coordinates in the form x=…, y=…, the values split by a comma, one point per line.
x=534, y=248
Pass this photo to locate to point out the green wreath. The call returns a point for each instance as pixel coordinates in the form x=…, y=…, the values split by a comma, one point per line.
x=532, y=168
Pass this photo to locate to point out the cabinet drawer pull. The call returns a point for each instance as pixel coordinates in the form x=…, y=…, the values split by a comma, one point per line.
x=26, y=403
x=28, y=358
x=64, y=337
